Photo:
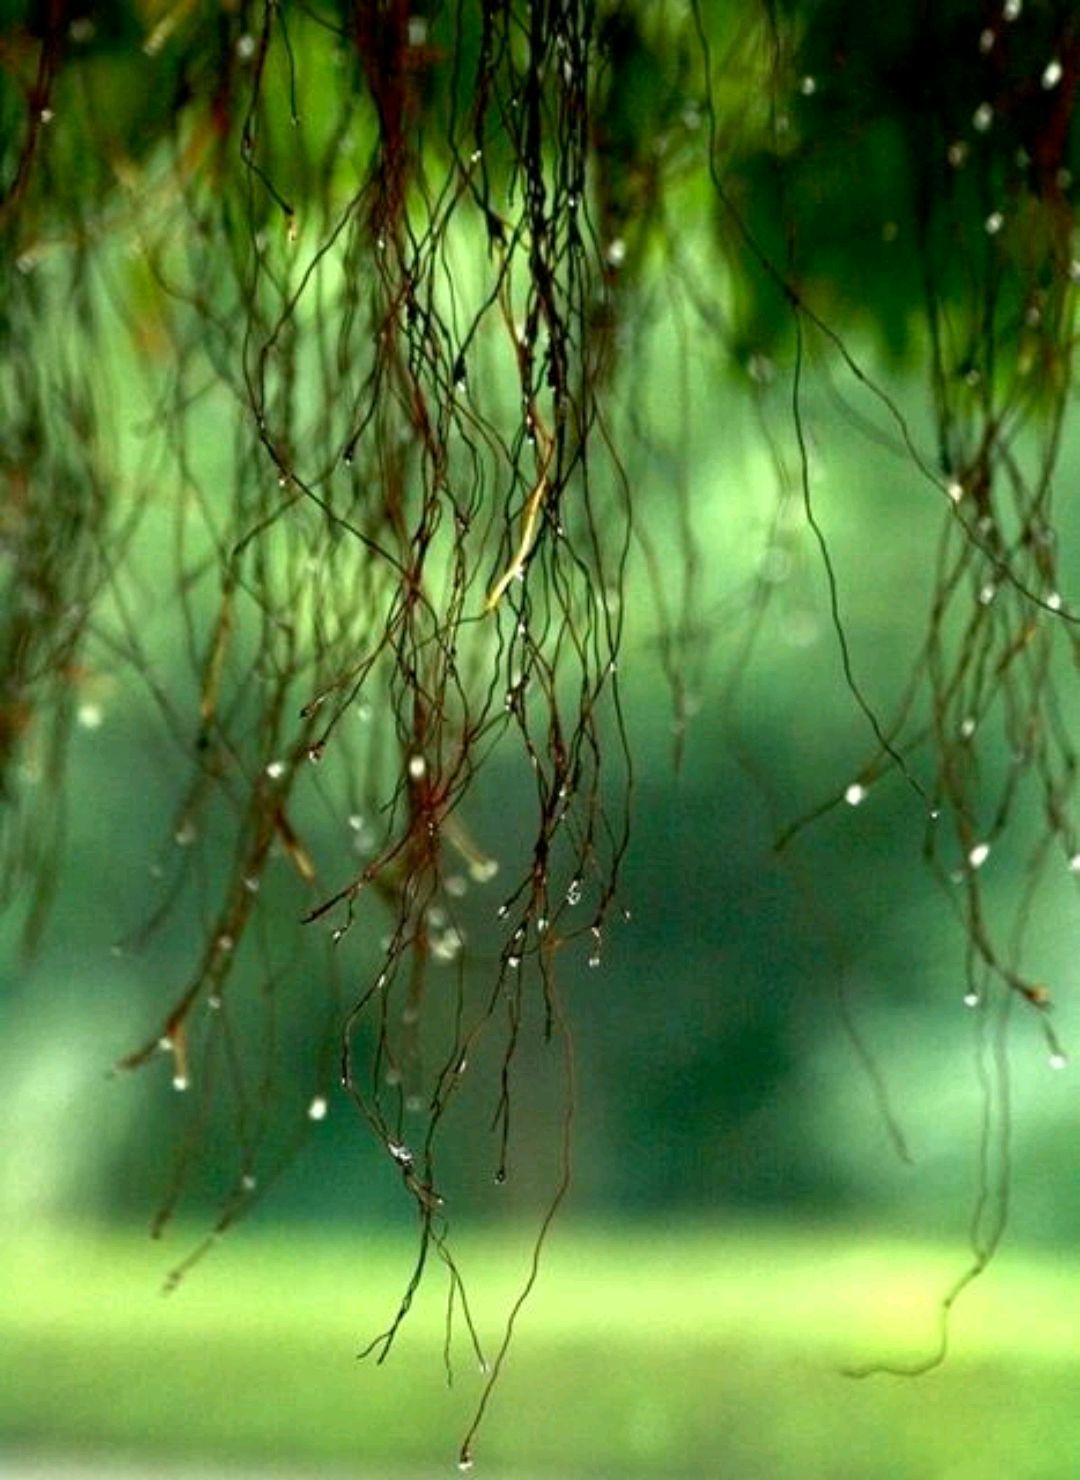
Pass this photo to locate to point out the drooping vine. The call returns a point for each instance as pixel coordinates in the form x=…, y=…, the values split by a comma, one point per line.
x=376, y=281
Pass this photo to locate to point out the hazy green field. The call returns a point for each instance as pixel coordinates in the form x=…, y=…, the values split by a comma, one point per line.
x=658, y=1352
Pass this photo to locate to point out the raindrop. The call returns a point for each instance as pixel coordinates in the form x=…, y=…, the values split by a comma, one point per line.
x=90, y=716
x=483, y=869
x=465, y=1462
x=224, y=943
x=855, y=794
x=251, y=884
x=455, y=886
x=318, y=1108
x=417, y=767
x=979, y=854
x=967, y=727
x=1011, y=9
x=513, y=962
x=1053, y=601
x=185, y=834
x=1051, y=74
x=1058, y=1060
x=447, y=945
x=982, y=118
x=986, y=41
x=275, y=770
x=987, y=594
x=249, y=1182
x=808, y=86
x=213, y=1002
x=615, y=253
x=245, y=47
x=994, y=222
x=1074, y=864
x=971, y=999
x=180, y=1082
x=957, y=154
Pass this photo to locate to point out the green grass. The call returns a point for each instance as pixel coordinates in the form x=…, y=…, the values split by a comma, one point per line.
x=650, y=1352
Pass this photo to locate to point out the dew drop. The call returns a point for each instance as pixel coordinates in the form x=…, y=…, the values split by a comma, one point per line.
x=979, y=854
x=855, y=794
x=971, y=999
x=1058, y=1060
x=1051, y=74
x=455, y=886
x=417, y=767
x=986, y=40
x=573, y=893
x=185, y=834
x=1011, y=9
x=1074, y=864
x=483, y=869
x=245, y=47
x=90, y=716
x=213, y=1002
x=1054, y=602
x=249, y=1182
x=318, y=1108
x=982, y=118
x=275, y=770
x=967, y=727
x=615, y=252
x=180, y=1082
x=993, y=223
x=466, y=1461
x=808, y=86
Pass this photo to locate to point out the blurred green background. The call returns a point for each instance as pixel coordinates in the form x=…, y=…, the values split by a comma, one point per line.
x=740, y=1228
